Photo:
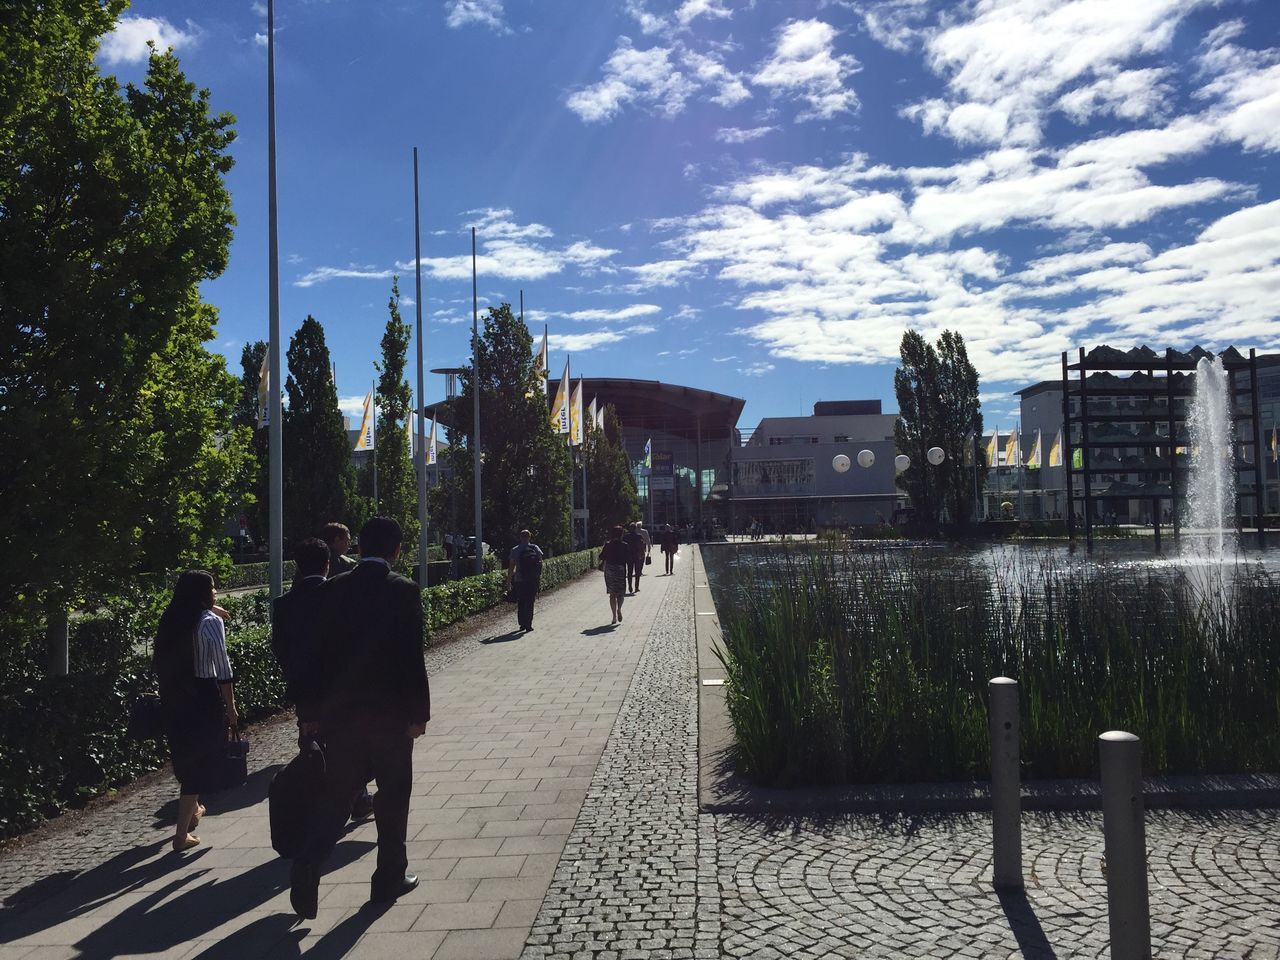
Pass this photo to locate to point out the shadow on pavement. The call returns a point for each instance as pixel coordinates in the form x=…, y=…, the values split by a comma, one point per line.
x=248, y=794
x=504, y=637
x=1026, y=926
x=597, y=631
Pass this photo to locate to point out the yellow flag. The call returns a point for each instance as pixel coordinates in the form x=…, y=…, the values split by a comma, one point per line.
x=365, y=440
x=408, y=433
x=575, y=416
x=1055, y=451
x=1033, y=461
x=993, y=448
x=1012, y=451
x=560, y=409
x=540, y=365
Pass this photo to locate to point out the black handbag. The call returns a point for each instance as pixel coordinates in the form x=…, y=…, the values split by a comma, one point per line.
x=292, y=799
x=647, y=559
x=233, y=768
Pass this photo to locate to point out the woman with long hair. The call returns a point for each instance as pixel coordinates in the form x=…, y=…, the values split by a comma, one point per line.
x=197, y=694
x=613, y=561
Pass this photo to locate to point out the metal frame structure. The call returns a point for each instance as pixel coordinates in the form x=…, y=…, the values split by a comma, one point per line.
x=1177, y=383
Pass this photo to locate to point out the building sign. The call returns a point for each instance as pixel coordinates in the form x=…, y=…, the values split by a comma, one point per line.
x=773, y=478
x=663, y=476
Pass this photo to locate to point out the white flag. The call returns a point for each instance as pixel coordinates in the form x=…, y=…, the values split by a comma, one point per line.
x=431, y=444
x=560, y=409
x=576, y=432
x=264, y=391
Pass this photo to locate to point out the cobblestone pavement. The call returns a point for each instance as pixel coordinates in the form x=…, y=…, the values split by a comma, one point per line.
x=627, y=883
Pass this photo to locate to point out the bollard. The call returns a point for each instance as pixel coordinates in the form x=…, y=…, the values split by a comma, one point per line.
x=1124, y=831
x=1006, y=802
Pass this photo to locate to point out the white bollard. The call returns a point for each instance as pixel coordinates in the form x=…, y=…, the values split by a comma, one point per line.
x=1124, y=830
x=1006, y=801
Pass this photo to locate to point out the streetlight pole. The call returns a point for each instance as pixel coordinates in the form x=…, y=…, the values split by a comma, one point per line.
x=275, y=446
x=420, y=457
x=475, y=404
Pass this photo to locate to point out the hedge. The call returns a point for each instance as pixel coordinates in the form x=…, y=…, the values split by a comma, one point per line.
x=62, y=739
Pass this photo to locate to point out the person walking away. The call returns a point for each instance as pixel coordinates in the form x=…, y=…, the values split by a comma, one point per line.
x=635, y=555
x=648, y=550
x=373, y=699
x=337, y=538
x=294, y=627
x=670, y=545
x=615, y=558
x=197, y=695
x=524, y=575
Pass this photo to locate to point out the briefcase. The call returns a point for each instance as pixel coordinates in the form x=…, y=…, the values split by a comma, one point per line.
x=292, y=799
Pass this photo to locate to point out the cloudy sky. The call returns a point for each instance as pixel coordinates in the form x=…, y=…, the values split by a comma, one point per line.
x=753, y=196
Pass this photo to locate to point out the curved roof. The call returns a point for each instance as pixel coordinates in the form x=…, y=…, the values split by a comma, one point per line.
x=652, y=404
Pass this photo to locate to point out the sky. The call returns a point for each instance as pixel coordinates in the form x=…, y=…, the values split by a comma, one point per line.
x=754, y=197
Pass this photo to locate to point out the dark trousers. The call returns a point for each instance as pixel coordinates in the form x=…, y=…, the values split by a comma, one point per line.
x=634, y=565
x=525, y=592
x=354, y=755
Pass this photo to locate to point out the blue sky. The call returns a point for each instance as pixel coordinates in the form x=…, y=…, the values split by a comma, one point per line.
x=752, y=196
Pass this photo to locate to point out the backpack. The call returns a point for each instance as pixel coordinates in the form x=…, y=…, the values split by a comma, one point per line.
x=530, y=565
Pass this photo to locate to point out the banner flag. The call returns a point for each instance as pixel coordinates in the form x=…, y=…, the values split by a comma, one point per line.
x=1275, y=445
x=576, y=432
x=648, y=454
x=1013, y=451
x=595, y=415
x=1077, y=459
x=431, y=444
x=1055, y=451
x=365, y=440
x=560, y=409
x=408, y=433
x=264, y=391
x=540, y=365
x=1033, y=461
x=993, y=448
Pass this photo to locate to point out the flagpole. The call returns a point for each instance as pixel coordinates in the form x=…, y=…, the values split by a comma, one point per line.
x=568, y=399
x=586, y=509
x=420, y=455
x=475, y=404
x=373, y=437
x=275, y=467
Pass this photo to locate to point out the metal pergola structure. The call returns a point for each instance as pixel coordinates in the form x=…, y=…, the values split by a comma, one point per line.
x=1099, y=430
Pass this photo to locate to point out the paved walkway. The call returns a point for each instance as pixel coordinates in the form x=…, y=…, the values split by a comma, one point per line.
x=555, y=816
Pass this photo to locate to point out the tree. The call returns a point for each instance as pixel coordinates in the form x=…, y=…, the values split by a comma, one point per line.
x=611, y=488
x=397, y=482
x=937, y=392
x=319, y=477
x=246, y=415
x=112, y=211
x=526, y=470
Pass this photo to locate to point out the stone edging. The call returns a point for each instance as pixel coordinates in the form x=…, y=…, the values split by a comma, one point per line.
x=721, y=790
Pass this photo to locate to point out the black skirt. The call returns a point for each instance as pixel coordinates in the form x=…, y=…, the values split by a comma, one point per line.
x=196, y=727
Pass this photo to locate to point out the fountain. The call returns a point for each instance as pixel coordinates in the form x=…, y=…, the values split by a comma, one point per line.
x=1211, y=481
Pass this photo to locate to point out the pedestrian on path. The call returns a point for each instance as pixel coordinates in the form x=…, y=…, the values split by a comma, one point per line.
x=295, y=632
x=337, y=538
x=524, y=576
x=670, y=545
x=197, y=695
x=614, y=558
x=635, y=555
x=374, y=701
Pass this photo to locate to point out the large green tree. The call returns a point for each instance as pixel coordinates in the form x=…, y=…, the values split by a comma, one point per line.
x=113, y=210
x=611, y=488
x=526, y=467
x=247, y=415
x=937, y=392
x=397, y=483
x=319, y=477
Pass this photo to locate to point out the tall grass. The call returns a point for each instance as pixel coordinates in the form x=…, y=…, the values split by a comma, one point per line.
x=844, y=666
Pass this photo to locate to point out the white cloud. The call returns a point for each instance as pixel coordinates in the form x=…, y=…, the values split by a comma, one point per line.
x=648, y=77
x=260, y=39
x=805, y=66
x=757, y=369
x=352, y=406
x=579, y=342
x=1129, y=94
x=660, y=273
x=738, y=135
x=484, y=13
x=723, y=359
x=690, y=10
x=621, y=313
x=325, y=274
x=127, y=43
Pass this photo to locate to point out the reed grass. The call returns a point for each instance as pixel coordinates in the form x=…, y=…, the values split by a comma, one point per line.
x=851, y=666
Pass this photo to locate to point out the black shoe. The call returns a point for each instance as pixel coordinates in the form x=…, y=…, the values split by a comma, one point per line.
x=362, y=809
x=378, y=894
x=304, y=889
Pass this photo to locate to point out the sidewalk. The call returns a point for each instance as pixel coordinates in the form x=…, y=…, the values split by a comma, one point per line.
x=519, y=726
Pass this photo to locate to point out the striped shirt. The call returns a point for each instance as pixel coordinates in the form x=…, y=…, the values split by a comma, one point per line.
x=211, y=649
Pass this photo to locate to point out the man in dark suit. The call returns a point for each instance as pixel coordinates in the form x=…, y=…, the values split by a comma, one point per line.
x=373, y=700
x=295, y=641
x=338, y=538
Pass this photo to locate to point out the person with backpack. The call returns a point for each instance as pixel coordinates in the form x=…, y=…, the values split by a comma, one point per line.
x=524, y=576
